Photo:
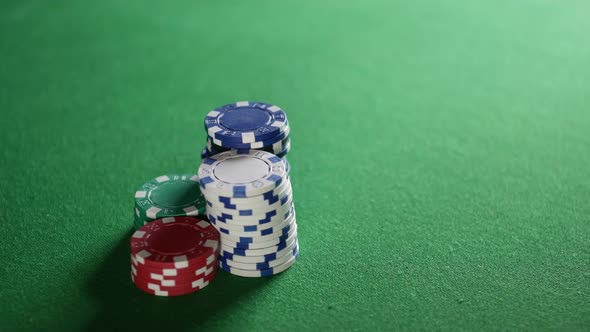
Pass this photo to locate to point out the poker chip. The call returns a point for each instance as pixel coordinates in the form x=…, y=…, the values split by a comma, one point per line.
x=275, y=148
x=256, y=259
x=260, y=208
x=168, y=196
x=284, y=238
x=174, y=255
x=174, y=241
x=171, y=281
x=253, y=217
x=286, y=150
x=183, y=289
x=260, y=272
x=240, y=226
x=269, y=197
x=261, y=265
x=252, y=146
x=206, y=153
x=263, y=203
x=270, y=218
x=266, y=232
x=180, y=273
x=256, y=241
x=245, y=122
x=236, y=174
x=258, y=251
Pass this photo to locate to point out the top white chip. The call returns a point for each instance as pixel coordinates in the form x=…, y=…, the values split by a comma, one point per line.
x=241, y=174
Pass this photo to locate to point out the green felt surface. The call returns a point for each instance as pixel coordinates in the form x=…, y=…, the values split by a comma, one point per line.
x=440, y=159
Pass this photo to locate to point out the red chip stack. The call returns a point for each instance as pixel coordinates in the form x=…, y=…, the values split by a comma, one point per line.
x=174, y=256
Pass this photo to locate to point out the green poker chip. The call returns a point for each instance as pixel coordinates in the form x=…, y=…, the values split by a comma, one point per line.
x=168, y=196
x=137, y=223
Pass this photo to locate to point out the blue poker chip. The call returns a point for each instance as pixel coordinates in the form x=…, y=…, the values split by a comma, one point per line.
x=229, y=263
x=257, y=252
x=244, y=208
x=267, y=199
x=249, y=209
x=245, y=122
x=254, y=244
x=214, y=149
x=260, y=273
x=271, y=217
x=252, y=226
x=257, y=258
x=249, y=217
x=262, y=232
x=254, y=145
x=275, y=148
x=243, y=239
x=283, y=153
x=211, y=151
x=266, y=218
x=205, y=153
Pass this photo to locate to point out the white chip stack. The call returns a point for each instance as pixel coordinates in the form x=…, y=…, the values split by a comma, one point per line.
x=250, y=202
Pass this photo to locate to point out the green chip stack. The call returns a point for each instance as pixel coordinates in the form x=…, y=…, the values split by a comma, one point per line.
x=168, y=196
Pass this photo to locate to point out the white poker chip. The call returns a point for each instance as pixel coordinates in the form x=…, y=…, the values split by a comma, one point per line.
x=241, y=174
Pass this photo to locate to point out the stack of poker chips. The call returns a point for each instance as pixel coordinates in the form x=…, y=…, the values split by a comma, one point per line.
x=174, y=256
x=171, y=195
x=250, y=202
x=242, y=186
x=245, y=126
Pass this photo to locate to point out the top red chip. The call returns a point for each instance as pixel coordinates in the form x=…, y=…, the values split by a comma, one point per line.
x=174, y=242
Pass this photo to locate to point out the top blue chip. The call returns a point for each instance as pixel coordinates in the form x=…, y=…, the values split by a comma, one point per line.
x=245, y=122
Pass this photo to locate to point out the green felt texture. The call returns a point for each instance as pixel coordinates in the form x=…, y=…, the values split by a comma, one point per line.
x=440, y=159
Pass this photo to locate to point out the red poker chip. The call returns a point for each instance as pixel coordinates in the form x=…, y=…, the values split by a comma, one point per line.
x=168, y=284
x=174, y=284
x=155, y=289
x=162, y=279
x=174, y=242
x=188, y=268
x=191, y=270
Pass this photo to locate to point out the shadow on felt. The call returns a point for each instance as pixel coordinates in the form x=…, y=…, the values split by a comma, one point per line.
x=124, y=307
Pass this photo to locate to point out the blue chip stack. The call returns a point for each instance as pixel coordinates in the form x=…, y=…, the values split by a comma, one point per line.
x=244, y=178
x=245, y=126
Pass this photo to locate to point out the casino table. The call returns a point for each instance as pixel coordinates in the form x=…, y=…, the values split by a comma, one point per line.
x=439, y=163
